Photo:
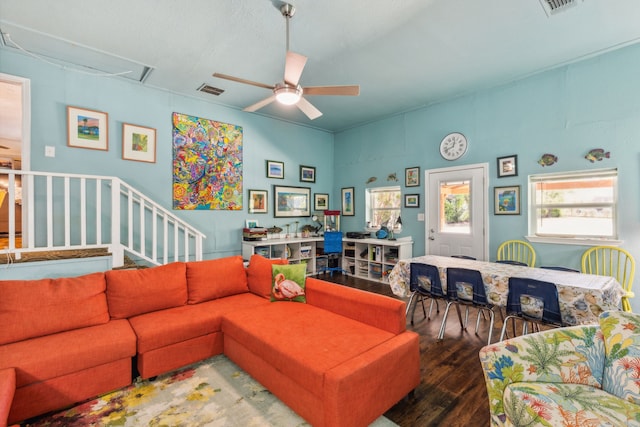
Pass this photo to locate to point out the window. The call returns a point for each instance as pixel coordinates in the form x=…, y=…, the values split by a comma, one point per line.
x=574, y=205
x=383, y=206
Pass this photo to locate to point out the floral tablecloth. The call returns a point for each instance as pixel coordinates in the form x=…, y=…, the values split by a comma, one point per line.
x=582, y=296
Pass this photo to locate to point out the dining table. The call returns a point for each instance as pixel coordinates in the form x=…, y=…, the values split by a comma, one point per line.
x=582, y=297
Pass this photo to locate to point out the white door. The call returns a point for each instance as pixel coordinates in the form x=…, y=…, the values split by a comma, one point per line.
x=457, y=211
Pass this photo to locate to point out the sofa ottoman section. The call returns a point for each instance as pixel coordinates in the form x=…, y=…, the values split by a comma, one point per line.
x=305, y=347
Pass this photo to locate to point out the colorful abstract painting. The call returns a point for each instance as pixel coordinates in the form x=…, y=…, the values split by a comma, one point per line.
x=207, y=164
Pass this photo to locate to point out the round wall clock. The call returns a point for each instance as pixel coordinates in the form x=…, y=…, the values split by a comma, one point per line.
x=453, y=146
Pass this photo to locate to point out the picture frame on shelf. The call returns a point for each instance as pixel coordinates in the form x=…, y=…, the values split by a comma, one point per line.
x=138, y=143
x=411, y=200
x=251, y=223
x=507, y=200
x=412, y=177
x=348, y=202
x=87, y=128
x=320, y=201
x=275, y=169
x=307, y=173
x=291, y=201
x=258, y=201
x=508, y=166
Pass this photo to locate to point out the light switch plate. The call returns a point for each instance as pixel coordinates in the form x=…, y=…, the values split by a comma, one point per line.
x=420, y=217
x=49, y=151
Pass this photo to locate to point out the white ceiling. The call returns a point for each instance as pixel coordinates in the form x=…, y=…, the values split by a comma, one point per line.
x=404, y=54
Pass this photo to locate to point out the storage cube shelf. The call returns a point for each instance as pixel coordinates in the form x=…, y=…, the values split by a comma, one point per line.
x=371, y=259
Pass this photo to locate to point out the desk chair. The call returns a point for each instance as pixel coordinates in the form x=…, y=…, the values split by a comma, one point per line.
x=424, y=282
x=333, y=250
x=470, y=292
x=517, y=250
x=531, y=301
x=615, y=262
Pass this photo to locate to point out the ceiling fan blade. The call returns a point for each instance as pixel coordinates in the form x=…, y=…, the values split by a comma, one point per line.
x=239, y=80
x=306, y=107
x=258, y=105
x=332, y=90
x=293, y=67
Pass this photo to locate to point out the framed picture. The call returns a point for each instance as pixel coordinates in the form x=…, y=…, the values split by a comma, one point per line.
x=412, y=177
x=275, y=169
x=411, y=200
x=348, y=203
x=251, y=223
x=138, y=143
x=291, y=201
x=320, y=202
x=507, y=200
x=258, y=201
x=307, y=173
x=508, y=166
x=87, y=128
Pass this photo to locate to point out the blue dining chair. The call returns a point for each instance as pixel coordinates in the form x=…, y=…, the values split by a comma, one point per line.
x=464, y=257
x=470, y=292
x=532, y=301
x=511, y=262
x=424, y=282
x=560, y=268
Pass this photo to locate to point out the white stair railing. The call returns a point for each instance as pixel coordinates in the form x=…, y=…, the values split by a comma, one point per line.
x=71, y=211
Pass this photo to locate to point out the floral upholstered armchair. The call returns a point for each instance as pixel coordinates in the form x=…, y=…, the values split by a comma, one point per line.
x=583, y=376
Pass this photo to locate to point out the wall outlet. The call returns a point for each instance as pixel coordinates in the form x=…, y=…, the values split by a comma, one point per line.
x=49, y=151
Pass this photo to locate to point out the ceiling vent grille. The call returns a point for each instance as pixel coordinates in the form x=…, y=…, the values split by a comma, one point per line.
x=551, y=7
x=210, y=89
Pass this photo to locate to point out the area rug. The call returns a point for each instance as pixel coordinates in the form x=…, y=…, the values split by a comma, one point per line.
x=215, y=392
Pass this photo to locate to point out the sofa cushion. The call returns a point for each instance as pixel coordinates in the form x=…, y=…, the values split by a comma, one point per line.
x=259, y=274
x=621, y=333
x=556, y=404
x=165, y=327
x=300, y=340
x=43, y=358
x=133, y=292
x=33, y=308
x=7, y=391
x=207, y=280
x=288, y=282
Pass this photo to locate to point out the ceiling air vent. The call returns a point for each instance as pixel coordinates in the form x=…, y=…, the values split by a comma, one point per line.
x=551, y=7
x=210, y=89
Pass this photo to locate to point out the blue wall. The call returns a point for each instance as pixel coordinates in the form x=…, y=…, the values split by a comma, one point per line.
x=52, y=89
x=567, y=111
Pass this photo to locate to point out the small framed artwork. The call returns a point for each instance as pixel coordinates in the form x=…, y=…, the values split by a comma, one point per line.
x=138, y=143
x=275, y=169
x=307, y=173
x=412, y=177
x=87, y=128
x=320, y=202
x=291, y=201
x=251, y=223
x=508, y=166
x=411, y=200
x=258, y=201
x=348, y=203
x=507, y=200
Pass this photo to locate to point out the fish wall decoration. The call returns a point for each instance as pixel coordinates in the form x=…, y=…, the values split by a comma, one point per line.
x=547, y=159
x=597, y=154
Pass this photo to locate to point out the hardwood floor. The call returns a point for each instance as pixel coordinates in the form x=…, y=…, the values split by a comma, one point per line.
x=452, y=391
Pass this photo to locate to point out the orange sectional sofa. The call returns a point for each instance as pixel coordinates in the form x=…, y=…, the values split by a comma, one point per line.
x=341, y=359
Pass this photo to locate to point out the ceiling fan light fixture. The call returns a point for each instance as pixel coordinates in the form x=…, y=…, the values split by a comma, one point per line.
x=288, y=95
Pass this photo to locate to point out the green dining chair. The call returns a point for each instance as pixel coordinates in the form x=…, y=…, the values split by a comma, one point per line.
x=615, y=262
x=517, y=250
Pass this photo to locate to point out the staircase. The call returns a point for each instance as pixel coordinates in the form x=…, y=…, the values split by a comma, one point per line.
x=71, y=212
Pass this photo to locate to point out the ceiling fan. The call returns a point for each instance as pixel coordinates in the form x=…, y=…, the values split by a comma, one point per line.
x=288, y=91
